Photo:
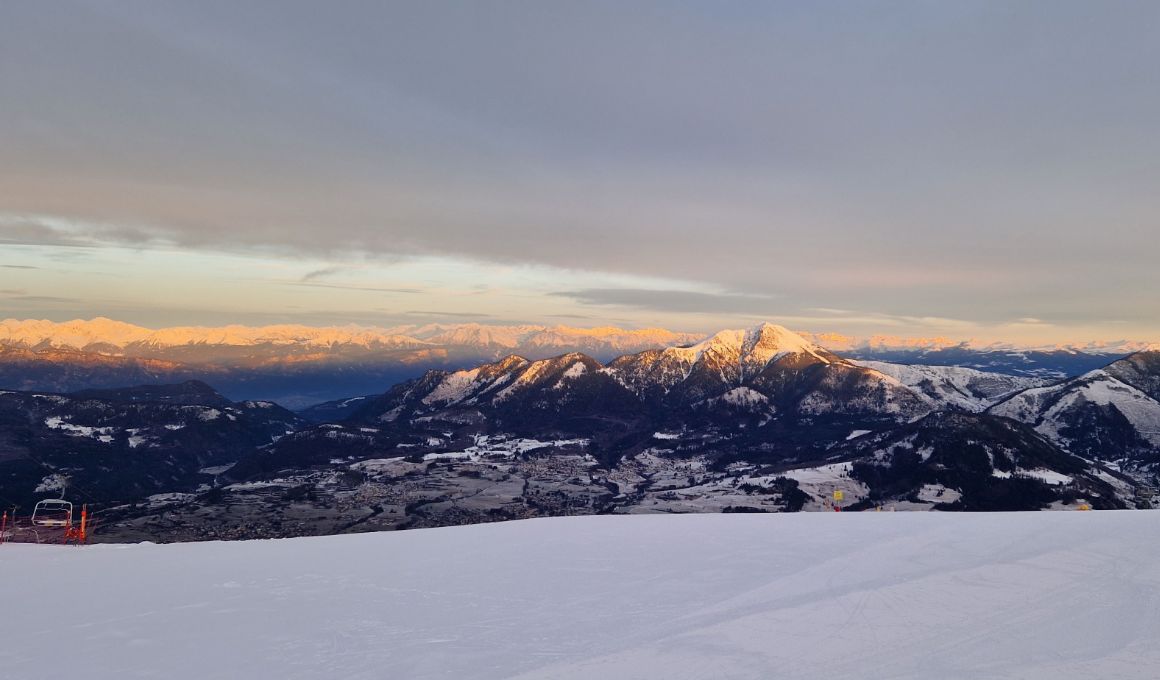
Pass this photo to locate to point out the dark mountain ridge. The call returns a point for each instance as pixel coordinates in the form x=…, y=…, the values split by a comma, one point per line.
x=1110, y=414
x=115, y=446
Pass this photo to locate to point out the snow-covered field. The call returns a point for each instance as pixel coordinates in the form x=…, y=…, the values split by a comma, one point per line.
x=850, y=595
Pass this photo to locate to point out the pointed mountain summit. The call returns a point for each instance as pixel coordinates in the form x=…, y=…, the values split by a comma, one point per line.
x=724, y=361
x=788, y=372
x=768, y=342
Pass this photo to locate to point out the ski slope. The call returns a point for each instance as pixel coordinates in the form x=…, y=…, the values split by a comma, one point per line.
x=861, y=596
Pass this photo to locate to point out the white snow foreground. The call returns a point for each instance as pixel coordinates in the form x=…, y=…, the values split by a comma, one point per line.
x=865, y=596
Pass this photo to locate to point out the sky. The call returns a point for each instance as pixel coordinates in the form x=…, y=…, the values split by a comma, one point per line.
x=971, y=169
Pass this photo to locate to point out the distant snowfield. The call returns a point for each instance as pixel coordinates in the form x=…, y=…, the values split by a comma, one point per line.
x=850, y=595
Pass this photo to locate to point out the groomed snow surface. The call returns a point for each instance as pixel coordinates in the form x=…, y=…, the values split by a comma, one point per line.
x=851, y=595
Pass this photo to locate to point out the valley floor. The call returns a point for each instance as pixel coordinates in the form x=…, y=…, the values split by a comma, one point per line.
x=811, y=595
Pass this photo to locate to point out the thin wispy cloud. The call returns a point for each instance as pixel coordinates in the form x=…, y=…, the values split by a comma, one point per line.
x=50, y=299
x=321, y=273
x=681, y=301
x=440, y=313
x=353, y=287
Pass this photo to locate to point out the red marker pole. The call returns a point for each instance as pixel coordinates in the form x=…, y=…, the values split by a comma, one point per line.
x=4, y=527
x=84, y=517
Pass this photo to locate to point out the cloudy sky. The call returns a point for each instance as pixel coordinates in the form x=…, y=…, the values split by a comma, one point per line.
x=972, y=169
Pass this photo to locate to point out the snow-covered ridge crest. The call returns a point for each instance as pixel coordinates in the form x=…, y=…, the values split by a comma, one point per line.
x=498, y=381
x=461, y=386
x=1053, y=409
x=79, y=334
x=761, y=344
x=964, y=388
x=100, y=331
x=556, y=371
x=838, y=342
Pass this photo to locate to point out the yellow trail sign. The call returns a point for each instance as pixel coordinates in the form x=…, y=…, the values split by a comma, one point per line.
x=838, y=495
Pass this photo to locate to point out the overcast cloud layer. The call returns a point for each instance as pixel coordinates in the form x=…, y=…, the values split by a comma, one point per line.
x=986, y=162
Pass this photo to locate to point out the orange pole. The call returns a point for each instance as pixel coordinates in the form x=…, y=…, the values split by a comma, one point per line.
x=4, y=527
x=84, y=517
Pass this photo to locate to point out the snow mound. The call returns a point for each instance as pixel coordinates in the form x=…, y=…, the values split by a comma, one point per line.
x=741, y=397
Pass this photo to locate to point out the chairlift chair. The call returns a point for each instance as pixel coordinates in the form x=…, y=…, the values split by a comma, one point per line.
x=52, y=512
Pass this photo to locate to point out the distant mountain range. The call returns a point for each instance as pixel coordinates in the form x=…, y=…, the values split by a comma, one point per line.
x=1043, y=363
x=299, y=366
x=101, y=334
x=743, y=421
x=294, y=365
x=851, y=344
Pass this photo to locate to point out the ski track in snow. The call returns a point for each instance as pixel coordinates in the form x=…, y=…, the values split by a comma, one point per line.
x=867, y=596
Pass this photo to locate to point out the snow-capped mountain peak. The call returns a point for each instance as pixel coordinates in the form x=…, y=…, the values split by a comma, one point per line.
x=755, y=347
x=722, y=343
x=770, y=342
